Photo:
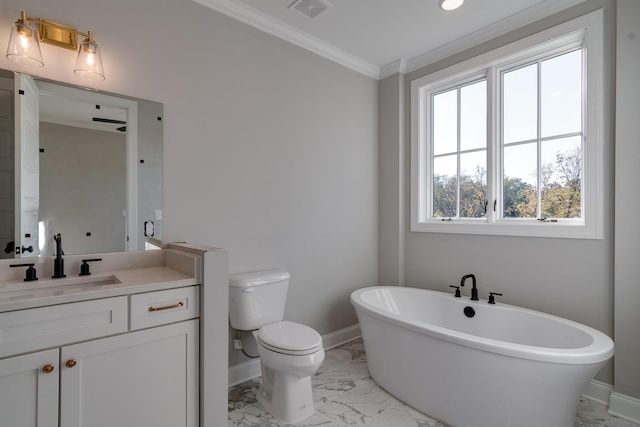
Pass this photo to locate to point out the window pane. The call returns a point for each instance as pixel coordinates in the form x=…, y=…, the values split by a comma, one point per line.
x=445, y=122
x=473, y=184
x=473, y=116
x=445, y=186
x=561, y=91
x=520, y=104
x=519, y=193
x=561, y=178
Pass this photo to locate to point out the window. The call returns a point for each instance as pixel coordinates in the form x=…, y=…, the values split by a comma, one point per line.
x=460, y=151
x=511, y=142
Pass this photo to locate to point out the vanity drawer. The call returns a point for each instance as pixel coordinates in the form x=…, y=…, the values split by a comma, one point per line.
x=45, y=327
x=158, y=308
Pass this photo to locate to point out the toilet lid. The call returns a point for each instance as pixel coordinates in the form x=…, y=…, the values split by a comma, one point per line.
x=290, y=338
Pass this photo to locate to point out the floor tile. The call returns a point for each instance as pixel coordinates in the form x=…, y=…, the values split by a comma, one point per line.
x=403, y=416
x=243, y=394
x=619, y=422
x=360, y=405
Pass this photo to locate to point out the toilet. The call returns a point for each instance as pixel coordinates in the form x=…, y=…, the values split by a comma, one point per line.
x=290, y=353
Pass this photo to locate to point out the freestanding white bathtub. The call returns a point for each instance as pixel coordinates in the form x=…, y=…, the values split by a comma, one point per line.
x=504, y=367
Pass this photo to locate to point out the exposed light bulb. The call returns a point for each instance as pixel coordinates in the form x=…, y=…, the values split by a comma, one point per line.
x=23, y=45
x=89, y=62
x=450, y=4
x=24, y=41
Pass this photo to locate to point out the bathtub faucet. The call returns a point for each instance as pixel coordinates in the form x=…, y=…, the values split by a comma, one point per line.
x=474, y=290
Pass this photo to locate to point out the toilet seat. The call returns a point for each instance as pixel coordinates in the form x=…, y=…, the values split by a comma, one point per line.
x=290, y=338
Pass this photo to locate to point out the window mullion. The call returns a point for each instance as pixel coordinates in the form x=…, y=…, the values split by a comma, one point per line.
x=458, y=92
x=538, y=139
x=493, y=144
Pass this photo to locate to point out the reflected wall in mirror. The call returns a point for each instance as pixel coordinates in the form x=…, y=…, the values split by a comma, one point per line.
x=85, y=164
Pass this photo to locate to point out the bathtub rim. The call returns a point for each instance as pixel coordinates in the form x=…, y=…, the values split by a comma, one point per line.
x=598, y=351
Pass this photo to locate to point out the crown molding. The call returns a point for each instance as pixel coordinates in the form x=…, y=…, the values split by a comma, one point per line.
x=264, y=22
x=504, y=26
x=398, y=66
x=269, y=25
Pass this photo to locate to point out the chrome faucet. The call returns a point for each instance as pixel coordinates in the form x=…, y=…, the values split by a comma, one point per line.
x=474, y=290
x=58, y=262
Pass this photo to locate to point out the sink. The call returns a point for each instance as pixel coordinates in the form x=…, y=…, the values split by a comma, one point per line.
x=55, y=287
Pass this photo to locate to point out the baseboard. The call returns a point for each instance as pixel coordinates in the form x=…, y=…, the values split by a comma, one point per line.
x=598, y=392
x=625, y=407
x=343, y=336
x=250, y=369
x=244, y=371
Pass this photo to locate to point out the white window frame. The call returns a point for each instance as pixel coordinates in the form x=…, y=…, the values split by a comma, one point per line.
x=585, y=31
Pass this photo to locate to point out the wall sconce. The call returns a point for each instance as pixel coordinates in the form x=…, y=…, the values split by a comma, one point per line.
x=24, y=45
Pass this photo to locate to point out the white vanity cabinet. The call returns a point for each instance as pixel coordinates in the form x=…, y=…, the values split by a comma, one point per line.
x=123, y=361
x=29, y=390
x=144, y=378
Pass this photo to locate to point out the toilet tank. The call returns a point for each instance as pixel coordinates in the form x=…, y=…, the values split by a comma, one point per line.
x=257, y=299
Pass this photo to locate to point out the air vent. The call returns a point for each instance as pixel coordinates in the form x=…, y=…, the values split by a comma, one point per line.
x=309, y=9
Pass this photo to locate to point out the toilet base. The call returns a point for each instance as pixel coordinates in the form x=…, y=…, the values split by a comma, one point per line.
x=286, y=396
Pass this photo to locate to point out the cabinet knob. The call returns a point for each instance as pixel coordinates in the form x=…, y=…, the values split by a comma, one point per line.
x=48, y=369
x=71, y=363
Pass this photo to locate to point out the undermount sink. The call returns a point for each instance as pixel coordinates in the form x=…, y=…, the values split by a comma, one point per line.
x=54, y=287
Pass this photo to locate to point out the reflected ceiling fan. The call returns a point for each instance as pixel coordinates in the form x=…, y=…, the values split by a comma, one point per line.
x=117, y=122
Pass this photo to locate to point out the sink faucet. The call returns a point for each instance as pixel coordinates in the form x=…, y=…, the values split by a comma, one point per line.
x=58, y=262
x=474, y=290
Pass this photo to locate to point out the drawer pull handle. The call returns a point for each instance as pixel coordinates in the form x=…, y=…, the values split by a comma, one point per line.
x=48, y=369
x=71, y=363
x=180, y=304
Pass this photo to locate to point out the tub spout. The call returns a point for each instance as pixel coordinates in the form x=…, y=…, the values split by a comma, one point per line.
x=474, y=289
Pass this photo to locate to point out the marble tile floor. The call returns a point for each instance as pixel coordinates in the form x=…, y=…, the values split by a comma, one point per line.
x=345, y=394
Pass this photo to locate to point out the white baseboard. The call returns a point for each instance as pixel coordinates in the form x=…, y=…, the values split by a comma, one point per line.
x=250, y=369
x=625, y=407
x=343, y=336
x=598, y=392
x=244, y=371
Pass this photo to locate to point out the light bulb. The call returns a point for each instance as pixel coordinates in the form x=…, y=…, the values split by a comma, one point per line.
x=24, y=41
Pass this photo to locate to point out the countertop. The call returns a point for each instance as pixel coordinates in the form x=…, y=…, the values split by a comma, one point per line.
x=44, y=292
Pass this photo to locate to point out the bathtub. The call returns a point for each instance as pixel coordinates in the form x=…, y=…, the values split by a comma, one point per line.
x=505, y=366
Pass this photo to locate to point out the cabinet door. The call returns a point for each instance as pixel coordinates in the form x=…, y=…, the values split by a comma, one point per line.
x=29, y=390
x=147, y=378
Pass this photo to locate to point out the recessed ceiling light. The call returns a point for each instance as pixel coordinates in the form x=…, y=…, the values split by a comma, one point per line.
x=450, y=4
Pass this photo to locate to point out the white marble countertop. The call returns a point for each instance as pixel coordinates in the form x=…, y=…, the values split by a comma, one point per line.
x=16, y=295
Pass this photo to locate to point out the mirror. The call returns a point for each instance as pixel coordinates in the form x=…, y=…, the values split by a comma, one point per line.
x=82, y=163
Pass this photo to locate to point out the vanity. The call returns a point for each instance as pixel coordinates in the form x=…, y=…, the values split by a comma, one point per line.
x=137, y=342
x=141, y=340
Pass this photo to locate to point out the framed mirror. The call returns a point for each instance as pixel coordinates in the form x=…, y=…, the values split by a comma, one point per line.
x=82, y=163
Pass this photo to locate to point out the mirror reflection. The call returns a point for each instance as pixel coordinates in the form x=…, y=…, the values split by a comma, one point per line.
x=85, y=164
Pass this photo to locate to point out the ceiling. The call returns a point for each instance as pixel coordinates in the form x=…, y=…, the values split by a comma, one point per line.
x=74, y=112
x=381, y=37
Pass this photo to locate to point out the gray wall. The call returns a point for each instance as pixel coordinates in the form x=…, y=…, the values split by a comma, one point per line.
x=571, y=278
x=83, y=170
x=627, y=248
x=270, y=151
x=392, y=203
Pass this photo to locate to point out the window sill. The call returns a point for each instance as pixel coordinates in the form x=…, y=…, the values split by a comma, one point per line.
x=519, y=228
